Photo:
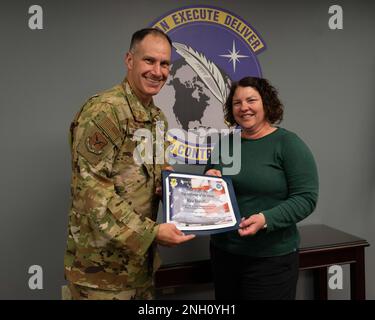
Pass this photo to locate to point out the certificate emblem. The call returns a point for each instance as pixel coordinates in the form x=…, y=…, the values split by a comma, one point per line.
x=173, y=182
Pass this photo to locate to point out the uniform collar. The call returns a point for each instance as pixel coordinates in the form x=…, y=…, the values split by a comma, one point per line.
x=140, y=113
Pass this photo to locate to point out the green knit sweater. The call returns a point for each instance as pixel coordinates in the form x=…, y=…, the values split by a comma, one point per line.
x=278, y=177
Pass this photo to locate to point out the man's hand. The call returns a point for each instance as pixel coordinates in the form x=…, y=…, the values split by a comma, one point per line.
x=251, y=225
x=168, y=235
x=213, y=172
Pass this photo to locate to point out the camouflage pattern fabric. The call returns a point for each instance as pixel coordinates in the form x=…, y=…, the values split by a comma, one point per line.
x=77, y=292
x=112, y=225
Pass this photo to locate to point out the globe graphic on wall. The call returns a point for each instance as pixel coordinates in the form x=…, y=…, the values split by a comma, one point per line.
x=187, y=102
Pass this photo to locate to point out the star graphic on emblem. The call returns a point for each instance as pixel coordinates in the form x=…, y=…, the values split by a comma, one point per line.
x=234, y=56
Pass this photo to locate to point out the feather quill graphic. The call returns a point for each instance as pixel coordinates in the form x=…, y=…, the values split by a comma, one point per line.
x=205, y=69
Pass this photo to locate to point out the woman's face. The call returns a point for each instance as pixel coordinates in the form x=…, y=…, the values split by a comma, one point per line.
x=247, y=107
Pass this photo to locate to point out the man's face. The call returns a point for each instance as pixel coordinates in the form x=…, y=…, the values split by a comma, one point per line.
x=148, y=66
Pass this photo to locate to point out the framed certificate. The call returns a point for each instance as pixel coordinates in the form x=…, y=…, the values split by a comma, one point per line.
x=199, y=204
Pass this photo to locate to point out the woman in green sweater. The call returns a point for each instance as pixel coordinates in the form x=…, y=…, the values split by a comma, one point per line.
x=276, y=187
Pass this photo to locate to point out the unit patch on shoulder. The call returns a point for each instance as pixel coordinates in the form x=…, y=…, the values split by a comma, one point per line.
x=96, y=142
x=94, y=145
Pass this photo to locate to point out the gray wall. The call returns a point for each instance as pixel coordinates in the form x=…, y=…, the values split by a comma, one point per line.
x=326, y=80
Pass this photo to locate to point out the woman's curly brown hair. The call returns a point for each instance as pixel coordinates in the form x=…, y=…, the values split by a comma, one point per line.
x=273, y=108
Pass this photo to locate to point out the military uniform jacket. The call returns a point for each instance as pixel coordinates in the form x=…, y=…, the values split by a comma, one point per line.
x=114, y=206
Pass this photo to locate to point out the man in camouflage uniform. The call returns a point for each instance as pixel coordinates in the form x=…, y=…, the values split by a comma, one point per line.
x=112, y=230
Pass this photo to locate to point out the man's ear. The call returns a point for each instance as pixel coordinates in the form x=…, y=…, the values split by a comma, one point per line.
x=129, y=60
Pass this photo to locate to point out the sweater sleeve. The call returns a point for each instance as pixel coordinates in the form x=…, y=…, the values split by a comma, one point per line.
x=303, y=185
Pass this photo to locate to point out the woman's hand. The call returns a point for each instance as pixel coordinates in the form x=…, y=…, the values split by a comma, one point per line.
x=213, y=172
x=251, y=225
